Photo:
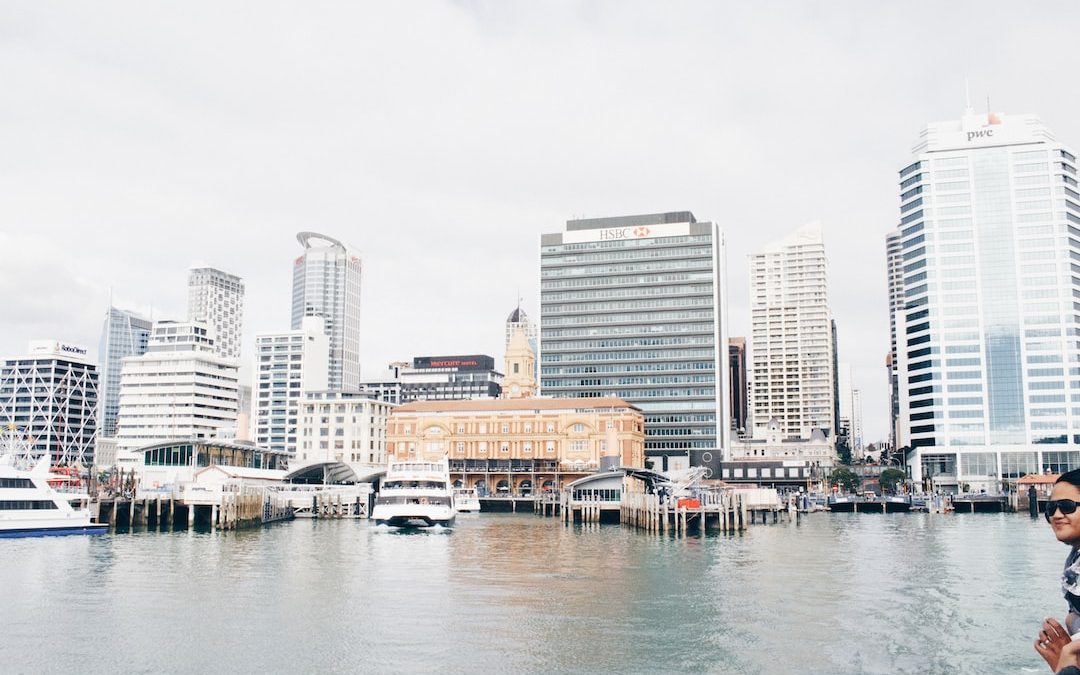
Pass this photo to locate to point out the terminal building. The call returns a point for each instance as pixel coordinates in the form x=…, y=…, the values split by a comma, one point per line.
x=633, y=307
x=515, y=447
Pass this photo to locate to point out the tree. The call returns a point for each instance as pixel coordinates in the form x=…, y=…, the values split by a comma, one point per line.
x=890, y=478
x=845, y=478
x=843, y=449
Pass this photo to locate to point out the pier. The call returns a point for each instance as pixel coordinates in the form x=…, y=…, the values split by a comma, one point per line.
x=251, y=507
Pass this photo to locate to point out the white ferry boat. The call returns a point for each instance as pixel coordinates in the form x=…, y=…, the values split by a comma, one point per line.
x=30, y=506
x=466, y=501
x=415, y=494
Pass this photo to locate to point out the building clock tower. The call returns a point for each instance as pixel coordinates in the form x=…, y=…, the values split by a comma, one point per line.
x=520, y=379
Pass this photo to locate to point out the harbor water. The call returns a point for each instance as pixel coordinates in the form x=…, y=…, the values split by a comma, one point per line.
x=506, y=593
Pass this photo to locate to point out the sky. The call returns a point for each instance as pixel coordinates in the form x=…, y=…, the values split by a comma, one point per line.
x=139, y=139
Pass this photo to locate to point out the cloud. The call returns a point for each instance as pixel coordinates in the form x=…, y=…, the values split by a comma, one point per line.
x=442, y=138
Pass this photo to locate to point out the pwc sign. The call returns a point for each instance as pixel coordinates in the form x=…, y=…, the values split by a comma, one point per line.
x=979, y=133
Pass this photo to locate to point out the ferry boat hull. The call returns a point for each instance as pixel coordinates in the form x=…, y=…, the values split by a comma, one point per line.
x=92, y=528
x=415, y=494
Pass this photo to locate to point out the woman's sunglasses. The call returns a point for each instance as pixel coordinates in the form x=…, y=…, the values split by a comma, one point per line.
x=1067, y=506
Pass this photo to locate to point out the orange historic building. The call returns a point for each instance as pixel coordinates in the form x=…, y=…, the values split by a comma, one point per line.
x=517, y=447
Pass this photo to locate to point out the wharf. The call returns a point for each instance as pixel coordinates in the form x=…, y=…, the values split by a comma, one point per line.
x=251, y=507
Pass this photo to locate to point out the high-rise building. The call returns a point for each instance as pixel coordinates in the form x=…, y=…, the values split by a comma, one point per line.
x=326, y=283
x=855, y=438
x=287, y=365
x=180, y=388
x=50, y=398
x=634, y=307
x=737, y=378
x=988, y=335
x=438, y=378
x=216, y=298
x=792, y=374
x=850, y=398
x=894, y=265
x=123, y=334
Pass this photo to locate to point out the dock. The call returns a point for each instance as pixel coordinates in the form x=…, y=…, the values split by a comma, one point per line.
x=187, y=510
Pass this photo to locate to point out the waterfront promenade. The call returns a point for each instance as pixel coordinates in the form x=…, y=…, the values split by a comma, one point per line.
x=518, y=593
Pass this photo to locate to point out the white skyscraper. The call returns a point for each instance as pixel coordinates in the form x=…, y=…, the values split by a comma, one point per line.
x=987, y=338
x=217, y=298
x=326, y=283
x=179, y=389
x=792, y=376
x=287, y=365
x=894, y=265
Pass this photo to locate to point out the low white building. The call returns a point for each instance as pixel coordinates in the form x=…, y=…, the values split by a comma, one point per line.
x=773, y=445
x=287, y=364
x=342, y=427
x=178, y=389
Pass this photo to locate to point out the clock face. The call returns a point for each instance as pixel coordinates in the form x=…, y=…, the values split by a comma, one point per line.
x=514, y=389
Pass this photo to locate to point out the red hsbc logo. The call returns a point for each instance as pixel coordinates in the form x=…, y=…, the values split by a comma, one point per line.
x=641, y=231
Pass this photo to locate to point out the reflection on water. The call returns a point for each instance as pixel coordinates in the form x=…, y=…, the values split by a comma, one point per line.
x=838, y=593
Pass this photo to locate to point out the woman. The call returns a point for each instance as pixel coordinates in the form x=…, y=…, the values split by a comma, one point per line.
x=1064, y=517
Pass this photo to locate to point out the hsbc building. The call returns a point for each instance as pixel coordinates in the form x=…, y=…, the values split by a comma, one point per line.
x=634, y=307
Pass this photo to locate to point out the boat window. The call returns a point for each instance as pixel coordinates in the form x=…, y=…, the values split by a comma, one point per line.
x=27, y=504
x=16, y=483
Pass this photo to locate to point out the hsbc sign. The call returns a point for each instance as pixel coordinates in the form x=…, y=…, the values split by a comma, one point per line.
x=626, y=233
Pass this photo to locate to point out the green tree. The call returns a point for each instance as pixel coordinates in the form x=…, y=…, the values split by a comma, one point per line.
x=890, y=478
x=845, y=478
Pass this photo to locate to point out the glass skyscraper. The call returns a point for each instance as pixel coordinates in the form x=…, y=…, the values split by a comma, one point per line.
x=988, y=339
x=123, y=334
x=326, y=283
x=633, y=307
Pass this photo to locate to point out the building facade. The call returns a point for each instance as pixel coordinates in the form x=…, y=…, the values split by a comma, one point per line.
x=123, y=334
x=326, y=283
x=49, y=398
x=180, y=388
x=287, y=364
x=738, y=386
x=987, y=339
x=520, y=446
x=520, y=367
x=216, y=298
x=343, y=427
x=633, y=307
x=894, y=265
x=792, y=374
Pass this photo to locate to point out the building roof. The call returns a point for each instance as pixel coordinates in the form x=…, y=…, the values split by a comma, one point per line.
x=1039, y=479
x=517, y=316
x=506, y=405
x=244, y=472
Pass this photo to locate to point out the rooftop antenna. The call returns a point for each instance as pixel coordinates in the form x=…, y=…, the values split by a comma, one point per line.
x=967, y=96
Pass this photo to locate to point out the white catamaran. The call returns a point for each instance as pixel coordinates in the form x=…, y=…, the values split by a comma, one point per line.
x=415, y=493
x=35, y=502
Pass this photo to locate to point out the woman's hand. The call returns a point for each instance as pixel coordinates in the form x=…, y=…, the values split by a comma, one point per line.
x=1051, y=645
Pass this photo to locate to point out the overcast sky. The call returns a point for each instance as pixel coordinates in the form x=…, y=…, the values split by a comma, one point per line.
x=140, y=138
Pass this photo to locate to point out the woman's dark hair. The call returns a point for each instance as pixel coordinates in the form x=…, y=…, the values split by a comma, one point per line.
x=1072, y=477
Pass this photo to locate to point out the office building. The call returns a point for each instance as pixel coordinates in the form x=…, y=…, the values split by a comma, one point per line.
x=792, y=376
x=987, y=342
x=738, y=387
x=326, y=283
x=49, y=400
x=179, y=389
x=287, y=364
x=123, y=334
x=633, y=307
x=216, y=298
x=894, y=266
x=345, y=427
